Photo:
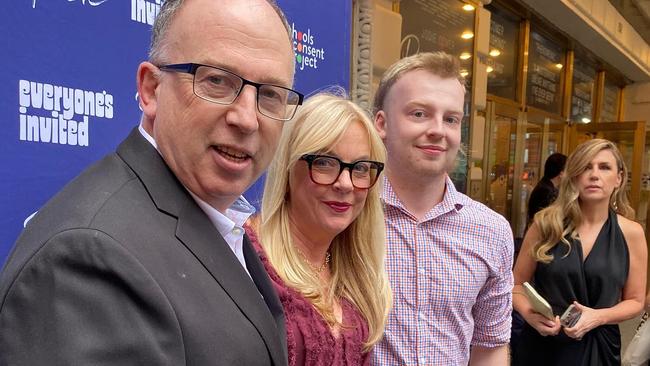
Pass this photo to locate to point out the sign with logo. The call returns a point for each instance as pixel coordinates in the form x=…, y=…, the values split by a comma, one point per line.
x=67, y=86
x=62, y=104
x=144, y=11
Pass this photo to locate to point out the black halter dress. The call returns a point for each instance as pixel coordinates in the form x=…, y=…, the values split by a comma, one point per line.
x=595, y=281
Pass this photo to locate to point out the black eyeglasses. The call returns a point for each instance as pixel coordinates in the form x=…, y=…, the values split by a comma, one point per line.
x=223, y=87
x=326, y=170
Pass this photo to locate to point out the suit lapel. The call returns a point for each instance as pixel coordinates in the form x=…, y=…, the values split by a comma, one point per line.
x=263, y=283
x=197, y=233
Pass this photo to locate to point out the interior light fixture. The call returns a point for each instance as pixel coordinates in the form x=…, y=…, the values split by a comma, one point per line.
x=467, y=35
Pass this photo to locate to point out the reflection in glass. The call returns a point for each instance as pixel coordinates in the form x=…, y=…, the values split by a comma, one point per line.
x=501, y=161
x=467, y=35
x=543, y=137
x=545, y=78
x=609, y=109
x=583, y=88
x=504, y=38
x=495, y=52
x=468, y=7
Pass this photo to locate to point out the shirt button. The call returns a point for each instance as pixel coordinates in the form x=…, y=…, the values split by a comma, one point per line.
x=422, y=316
x=423, y=360
x=237, y=231
x=421, y=271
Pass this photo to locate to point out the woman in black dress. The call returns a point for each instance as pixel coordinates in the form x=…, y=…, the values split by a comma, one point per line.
x=583, y=250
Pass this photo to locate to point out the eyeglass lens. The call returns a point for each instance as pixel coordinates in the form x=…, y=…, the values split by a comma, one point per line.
x=326, y=170
x=221, y=86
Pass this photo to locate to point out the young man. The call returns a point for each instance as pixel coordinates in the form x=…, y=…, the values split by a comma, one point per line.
x=142, y=260
x=449, y=258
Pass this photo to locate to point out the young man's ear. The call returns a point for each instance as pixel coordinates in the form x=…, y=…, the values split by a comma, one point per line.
x=380, y=123
x=148, y=80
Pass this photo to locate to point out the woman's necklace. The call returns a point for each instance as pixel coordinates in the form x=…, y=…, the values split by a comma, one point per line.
x=319, y=270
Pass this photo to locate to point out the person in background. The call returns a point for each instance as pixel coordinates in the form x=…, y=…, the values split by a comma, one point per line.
x=449, y=258
x=321, y=235
x=141, y=260
x=543, y=194
x=498, y=196
x=583, y=250
x=545, y=190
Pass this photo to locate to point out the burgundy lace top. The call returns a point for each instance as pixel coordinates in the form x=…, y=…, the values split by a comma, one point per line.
x=310, y=341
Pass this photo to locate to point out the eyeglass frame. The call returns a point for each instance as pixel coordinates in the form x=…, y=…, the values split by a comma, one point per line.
x=309, y=159
x=190, y=68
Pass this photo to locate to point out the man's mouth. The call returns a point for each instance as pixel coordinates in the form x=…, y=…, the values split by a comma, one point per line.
x=231, y=154
x=432, y=148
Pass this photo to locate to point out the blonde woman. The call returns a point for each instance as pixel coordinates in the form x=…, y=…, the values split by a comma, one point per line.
x=583, y=250
x=322, y=233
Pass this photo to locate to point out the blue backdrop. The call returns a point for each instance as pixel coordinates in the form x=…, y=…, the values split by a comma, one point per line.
x=67, y=86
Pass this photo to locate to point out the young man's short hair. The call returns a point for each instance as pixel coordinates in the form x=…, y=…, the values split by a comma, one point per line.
x=438, y=63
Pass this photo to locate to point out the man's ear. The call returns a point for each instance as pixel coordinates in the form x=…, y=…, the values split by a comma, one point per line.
x=380, y=123
x=148, y=80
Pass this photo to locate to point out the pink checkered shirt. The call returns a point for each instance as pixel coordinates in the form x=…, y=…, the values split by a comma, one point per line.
x=451, y=276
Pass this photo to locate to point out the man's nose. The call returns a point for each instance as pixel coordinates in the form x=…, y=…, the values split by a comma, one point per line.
x=435, y=126
x=242, y=113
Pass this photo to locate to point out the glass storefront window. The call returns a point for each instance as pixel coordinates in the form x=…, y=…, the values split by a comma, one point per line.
x=583, y=88
x=546, y=64
x=609, y=108
x=502, y=60
x=543, y=137
x=501, y=159
x=437, y=25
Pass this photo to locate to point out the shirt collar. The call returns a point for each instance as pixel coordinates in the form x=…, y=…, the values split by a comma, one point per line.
x=452, y=200
x=235, y=216
x=147, y=136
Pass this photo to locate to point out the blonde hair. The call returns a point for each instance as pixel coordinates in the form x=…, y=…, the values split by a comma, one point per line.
x=439, y=63
x=358, y=272
x=563, y=216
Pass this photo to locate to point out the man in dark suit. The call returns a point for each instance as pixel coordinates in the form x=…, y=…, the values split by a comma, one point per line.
x=142, y=260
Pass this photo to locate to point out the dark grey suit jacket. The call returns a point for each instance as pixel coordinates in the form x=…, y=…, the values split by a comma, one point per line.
x=123, y=268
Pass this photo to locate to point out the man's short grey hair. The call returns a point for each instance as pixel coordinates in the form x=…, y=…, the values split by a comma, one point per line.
x=167, y=12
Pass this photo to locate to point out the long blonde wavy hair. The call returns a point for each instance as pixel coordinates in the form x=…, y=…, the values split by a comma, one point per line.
x=357, y=264
x=563, y=216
